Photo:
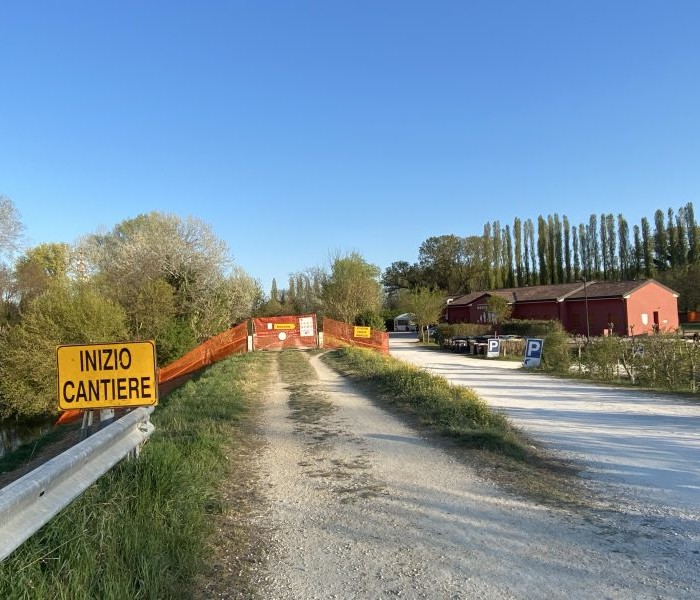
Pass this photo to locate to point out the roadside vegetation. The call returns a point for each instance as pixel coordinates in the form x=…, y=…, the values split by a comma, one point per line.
x=483, y=438
x=144, y=530
x=661, y=362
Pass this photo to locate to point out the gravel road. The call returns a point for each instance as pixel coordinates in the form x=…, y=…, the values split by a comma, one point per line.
x=362, y=506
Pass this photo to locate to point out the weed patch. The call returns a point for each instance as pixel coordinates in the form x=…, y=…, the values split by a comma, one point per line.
x=143, y=530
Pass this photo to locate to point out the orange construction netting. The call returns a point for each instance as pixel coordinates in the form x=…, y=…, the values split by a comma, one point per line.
x=279, y=333
x=337, y=334
x=229, y=342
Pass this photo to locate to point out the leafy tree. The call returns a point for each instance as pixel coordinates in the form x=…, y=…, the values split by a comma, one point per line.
x=351, y=288
x=183, y=253
x=38, y=267
x=10, y=228
x=499, y=308
x=401, y=275
x=66, y=313
x=426, y=306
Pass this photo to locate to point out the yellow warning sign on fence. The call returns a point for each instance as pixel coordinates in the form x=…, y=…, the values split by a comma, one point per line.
x=362, y=332
x=107, y=375
x=285, y=326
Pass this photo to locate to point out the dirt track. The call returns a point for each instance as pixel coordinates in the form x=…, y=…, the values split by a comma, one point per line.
x=361, y=506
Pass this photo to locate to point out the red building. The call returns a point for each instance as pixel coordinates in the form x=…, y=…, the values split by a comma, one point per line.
x=625, y=307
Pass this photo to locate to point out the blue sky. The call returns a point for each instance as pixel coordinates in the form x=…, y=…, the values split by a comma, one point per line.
x=299, y=129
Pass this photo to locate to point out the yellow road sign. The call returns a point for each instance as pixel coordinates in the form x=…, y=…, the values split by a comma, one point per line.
x=107, y=375
x=285, y=326
x=362, y=332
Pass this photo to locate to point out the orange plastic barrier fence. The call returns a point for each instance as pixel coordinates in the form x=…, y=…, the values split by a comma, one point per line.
x=278, y=333
x=337, y=334
x=229, y=342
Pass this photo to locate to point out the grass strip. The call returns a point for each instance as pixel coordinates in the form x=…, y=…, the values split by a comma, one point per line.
x=307, y=406
x=452, y=410
x=504, y=454
x=142, y=530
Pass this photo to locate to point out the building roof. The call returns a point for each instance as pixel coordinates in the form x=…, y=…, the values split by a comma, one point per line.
x=562, y=291
x=467, y=298
x=539, y=293
x=616, y=289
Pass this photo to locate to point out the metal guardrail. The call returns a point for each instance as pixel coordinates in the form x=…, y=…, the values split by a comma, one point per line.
x=32, y=501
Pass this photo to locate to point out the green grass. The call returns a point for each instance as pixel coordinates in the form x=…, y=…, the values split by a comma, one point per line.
x=483, y=438
x=143, y=529
x=452, y=410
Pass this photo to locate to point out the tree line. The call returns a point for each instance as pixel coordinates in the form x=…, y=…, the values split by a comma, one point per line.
x=553, y=250
x=153, y=277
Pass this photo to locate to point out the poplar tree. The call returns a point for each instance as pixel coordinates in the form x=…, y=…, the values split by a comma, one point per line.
x=518, y=239
x=604, y=246
x=526, y=253
x=647, y=248
x=593, y=247
x=660, y=242
x=497, y=255
x=488, y=256
x=611, y=245
x=542, y=249
x=623, y=235
x=586, y=265
x=638, y=253
x=558, y=249
x=567, y=249
x=510, y=277
x=681, y=239
x=551, y=250
x=577, y=261
x=691, y=228
x=533, y=256
x=672, y=239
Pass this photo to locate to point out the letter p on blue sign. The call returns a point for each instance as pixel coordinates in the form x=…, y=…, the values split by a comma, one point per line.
x=533, y=352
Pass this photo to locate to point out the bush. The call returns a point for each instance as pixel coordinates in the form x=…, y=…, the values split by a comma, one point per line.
x=529, y=327
x=556, y=353
x=466, y=329
x=371, y=319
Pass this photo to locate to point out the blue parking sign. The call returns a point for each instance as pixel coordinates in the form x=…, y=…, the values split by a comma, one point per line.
x=493, y=349
x=533, y=352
